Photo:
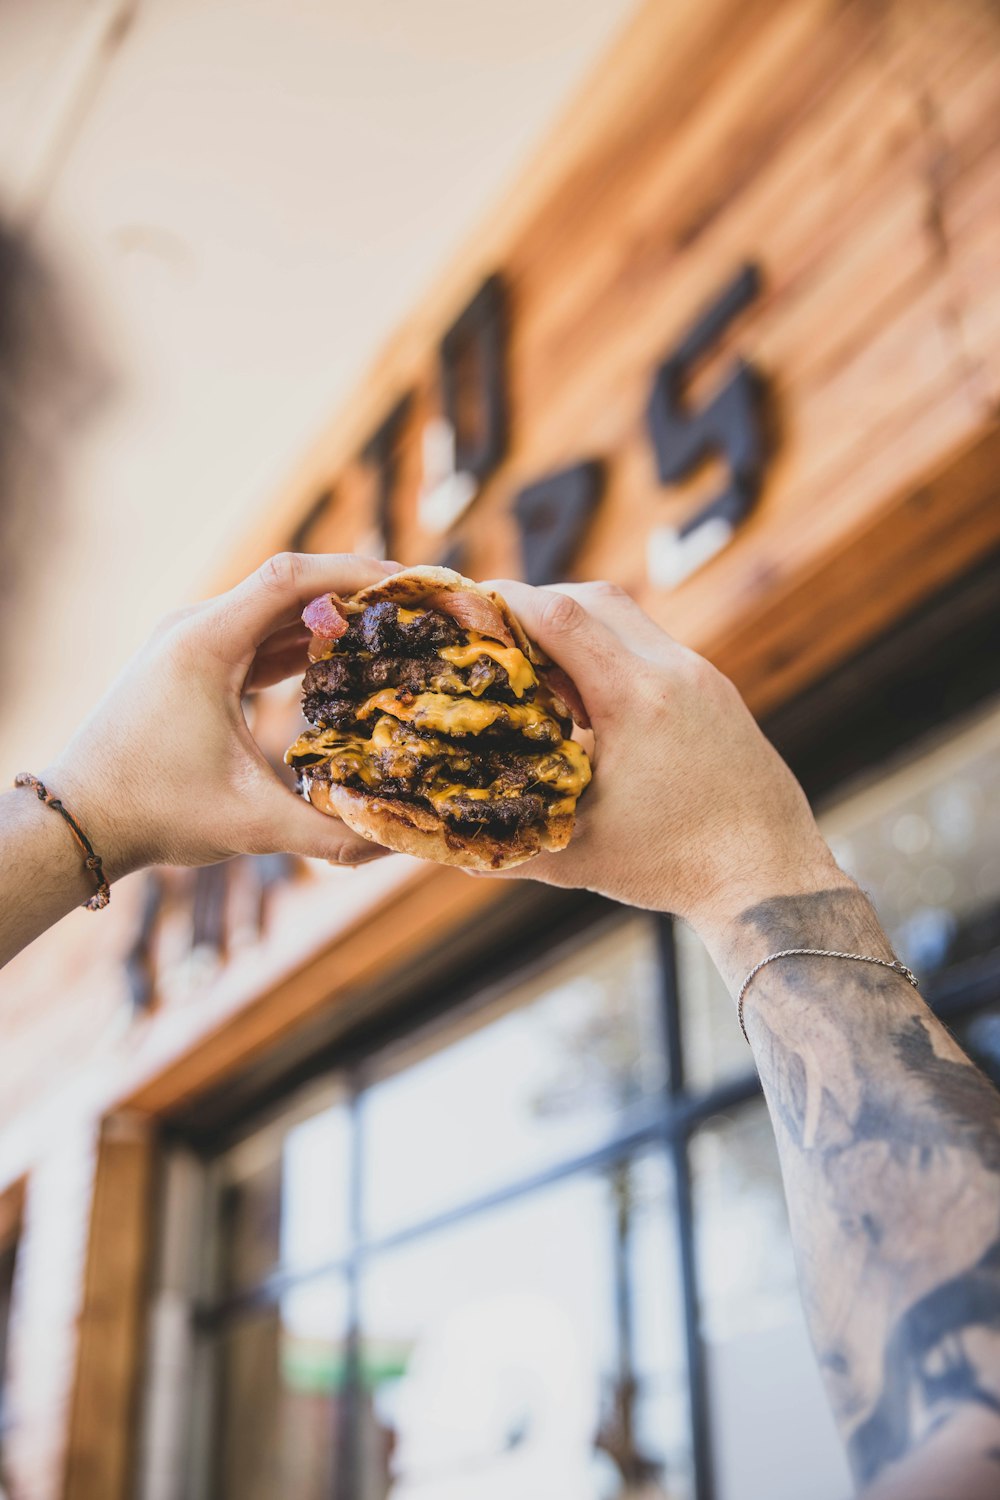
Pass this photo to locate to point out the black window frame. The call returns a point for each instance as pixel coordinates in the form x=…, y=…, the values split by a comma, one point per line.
x=924, y=674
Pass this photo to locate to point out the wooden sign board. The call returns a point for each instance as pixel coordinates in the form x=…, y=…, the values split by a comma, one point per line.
x=850, y=155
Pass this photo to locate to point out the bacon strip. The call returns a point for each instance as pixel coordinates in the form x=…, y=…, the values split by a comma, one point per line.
x=325, y=617
x=472, y=611
x=565, y=688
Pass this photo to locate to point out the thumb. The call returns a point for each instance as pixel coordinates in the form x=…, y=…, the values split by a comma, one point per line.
x=292, y=826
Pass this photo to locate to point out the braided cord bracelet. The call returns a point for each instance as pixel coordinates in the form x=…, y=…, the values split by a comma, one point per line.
x=858, y=958
x=92, y=860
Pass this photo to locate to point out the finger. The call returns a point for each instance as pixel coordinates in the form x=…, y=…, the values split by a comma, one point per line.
x=283, y=654
x=276, y=666
x=613, y=605
x=289, y=635
x=292, y=826
x=576, y=639
x=544, y=868
x=278, y=592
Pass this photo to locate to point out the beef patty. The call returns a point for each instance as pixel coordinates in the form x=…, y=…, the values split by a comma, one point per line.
x=330, y=681
x=386, y=630
x=386, y=647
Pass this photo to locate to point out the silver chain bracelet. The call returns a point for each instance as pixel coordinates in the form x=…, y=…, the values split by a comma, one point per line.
x=859, y=958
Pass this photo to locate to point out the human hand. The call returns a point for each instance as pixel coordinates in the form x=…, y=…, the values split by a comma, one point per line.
x=691, y=810
x=166, y=771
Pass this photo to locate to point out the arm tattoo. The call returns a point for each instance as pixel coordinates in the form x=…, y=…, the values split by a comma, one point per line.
x=890, y=1148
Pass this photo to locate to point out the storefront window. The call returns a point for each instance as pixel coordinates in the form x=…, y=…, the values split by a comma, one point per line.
x=273, y=1215
x=980, y=1036
x=762, y=1373
x=923, y=839
x=524, y=1252
x=925, y=842
x=505, y=1314
x=504, y=1364
x=281, y=1378
x=714, y=1049
x=546, y=1069
x=652, y=1367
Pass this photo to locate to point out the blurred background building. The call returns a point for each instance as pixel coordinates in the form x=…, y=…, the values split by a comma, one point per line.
x=348, y=1185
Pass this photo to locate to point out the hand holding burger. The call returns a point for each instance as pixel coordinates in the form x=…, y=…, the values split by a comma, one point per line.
x=692, y=810
x=166, y=771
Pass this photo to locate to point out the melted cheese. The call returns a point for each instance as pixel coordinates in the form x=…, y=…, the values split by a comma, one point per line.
x=390, y=734
x=397, y=748
x=444, y=681
x=438, y=711
x=317, y=742
x=347, y=755
x=441, y=792
x=407, y=616
x=394, y=751
x=520, y=673
x=348, y=763
x=566, y=770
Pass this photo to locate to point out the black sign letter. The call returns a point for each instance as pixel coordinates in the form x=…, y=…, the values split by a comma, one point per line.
x=380, y=452
x=730, y=425
x=472, y=358
x=552, y=515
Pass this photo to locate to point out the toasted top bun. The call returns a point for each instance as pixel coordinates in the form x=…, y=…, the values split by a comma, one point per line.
x=411, y=827
x=420, y=586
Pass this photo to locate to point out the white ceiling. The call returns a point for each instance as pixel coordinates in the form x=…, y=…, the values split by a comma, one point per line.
x=246, y=196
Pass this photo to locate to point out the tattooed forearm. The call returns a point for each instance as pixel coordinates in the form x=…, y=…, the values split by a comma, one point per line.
x=890, y=1149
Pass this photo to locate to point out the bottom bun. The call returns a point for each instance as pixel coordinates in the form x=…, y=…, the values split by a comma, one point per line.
x=412, y=828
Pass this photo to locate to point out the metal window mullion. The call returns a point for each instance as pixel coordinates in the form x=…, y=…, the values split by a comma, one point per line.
x=701, y=1430
x=678, y=1121
x=347, y=1467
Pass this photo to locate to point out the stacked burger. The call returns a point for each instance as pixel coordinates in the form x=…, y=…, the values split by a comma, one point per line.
x=437, y=727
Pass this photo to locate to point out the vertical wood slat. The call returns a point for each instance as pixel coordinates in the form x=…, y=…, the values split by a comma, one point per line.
x=104, y=1415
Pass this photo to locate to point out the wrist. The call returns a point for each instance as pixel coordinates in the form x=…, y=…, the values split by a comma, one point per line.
x=96, y=808
x=41, y=843
x=732, y=924
x=828, y=924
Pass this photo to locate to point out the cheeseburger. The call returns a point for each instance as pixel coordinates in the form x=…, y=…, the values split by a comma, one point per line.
x=437, y=727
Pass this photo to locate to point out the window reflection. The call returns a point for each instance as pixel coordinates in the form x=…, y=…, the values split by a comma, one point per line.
x=924, y=841
x=508, y=1355
x=651, y=1395
x=283, y=1192
x=544, y=1072
x=762, y=1372
x=281, y=1375
x=714, y=1048
x=980, y=1038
